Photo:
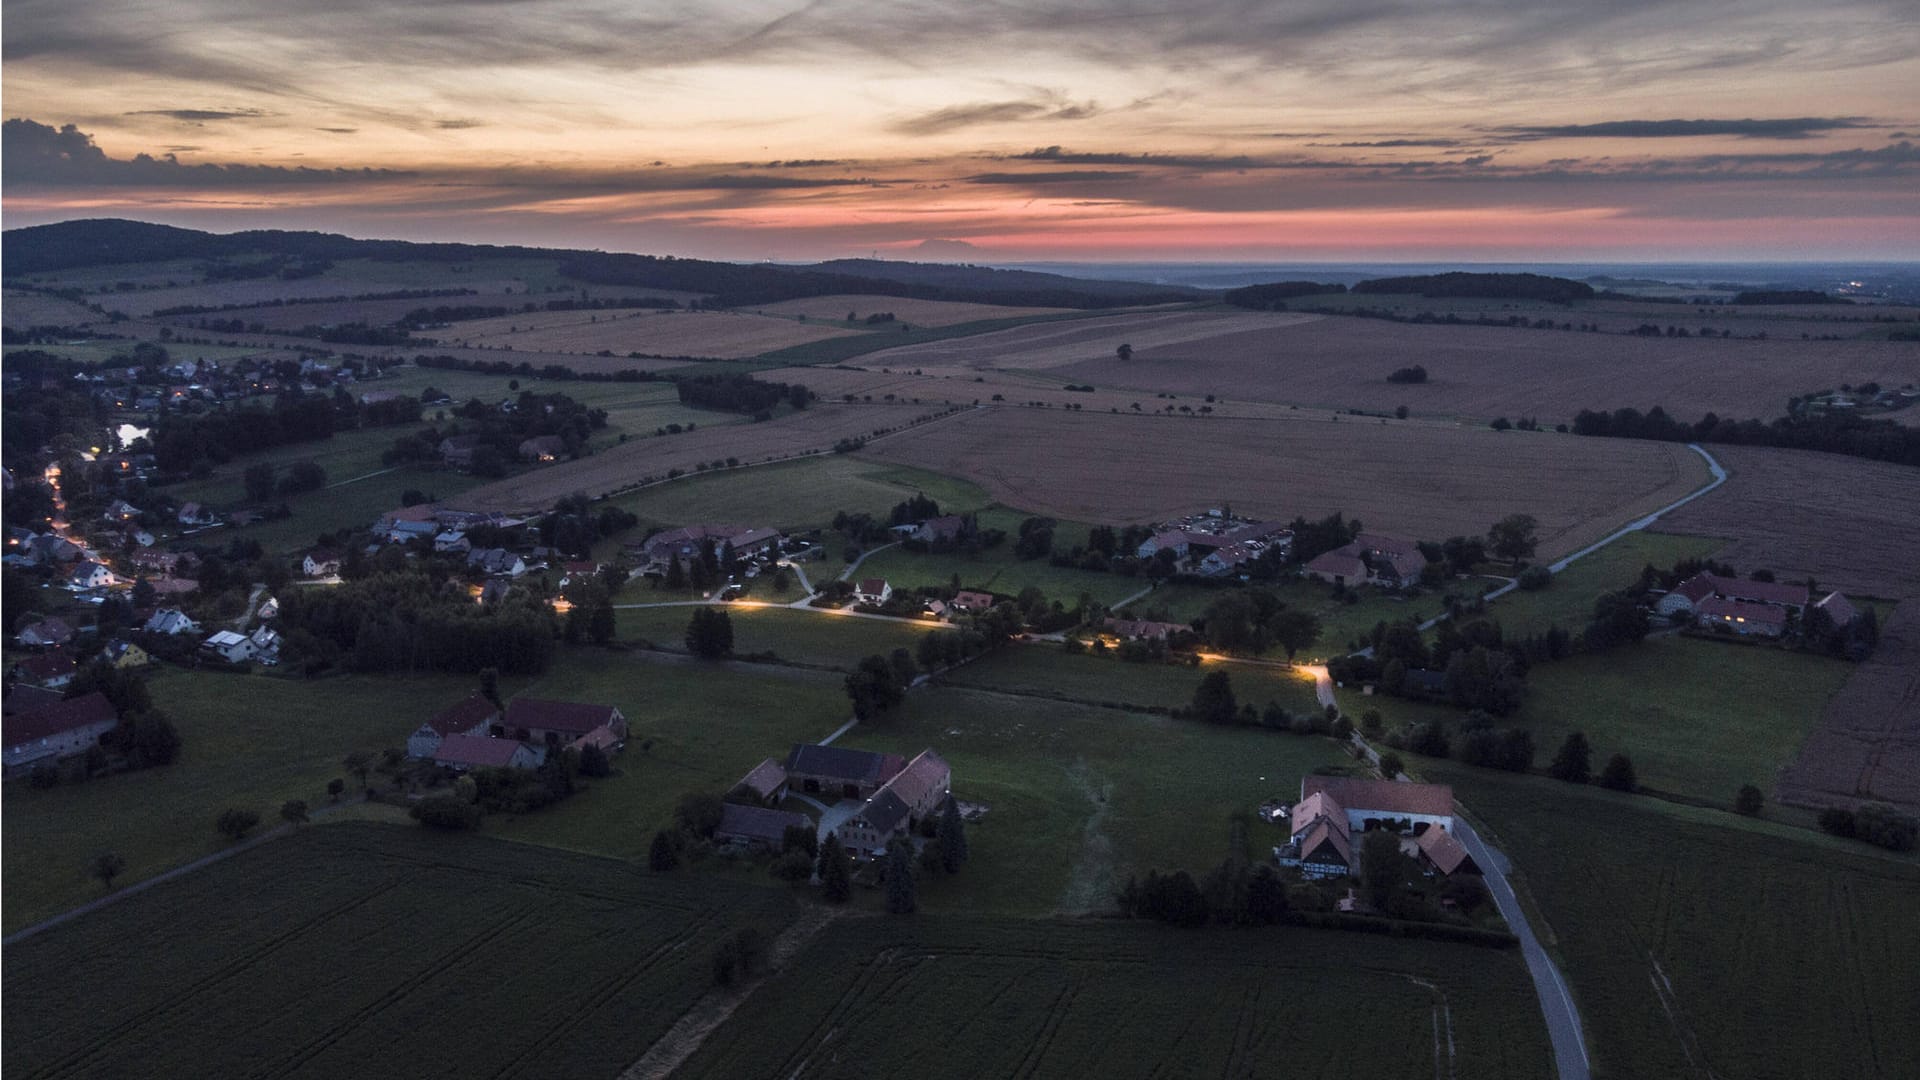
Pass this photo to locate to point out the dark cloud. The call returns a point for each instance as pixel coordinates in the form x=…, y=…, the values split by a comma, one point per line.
x=956, y=117
x=40, y=154
x=1799, y=127
x=338, y=130
x=457, y=125
x=1388, y=144
x=1058, y=176
x=1187, y=161
x=204, y=116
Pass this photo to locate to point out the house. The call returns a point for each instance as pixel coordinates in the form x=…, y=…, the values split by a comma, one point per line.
x=910, y=796
x=120, y=510
x=1175, y=540
x=171, y=621
x=51, y=733
x=1371, y=559
x=320, y=563
x=1227, y=559
x=543, y=448
x=137, y=537
x=872, y=591
x=765, y=784
x=156, y=562
x=691, y=540
x=1338, y=567
x=571, y=572
x=50, y=632
x=971, y=603
x=1741, y=617
x=125, y=654
x=90, y=575
x=941, y=529
x=463, y=752
x=231, y=647
x=496, y=561
x=473, y=715
x=1145, y=629
x=269, y=609
x=558, y=723
x=758, y=826
x=1839, y=609
x=50, y=671
x=1332, y=808
x=25, y=697
x=266, y=644
x=1441, y=854
x=194, y=515
x=840, y=773
x=452, y=540
x=458, y=450
x=1687, y=596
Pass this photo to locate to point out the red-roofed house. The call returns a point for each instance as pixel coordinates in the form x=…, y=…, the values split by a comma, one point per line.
x=1332, y=808
x=971, y=602
x=471, y=716
x=62, y=730
x=1741, y=617
x=1371, y=559
x=51, y=670
x=764, y=785
x=872, y=590
x=1689, y=594
x=558, y=723
x=465, y=752
x=1442, y=854
x=1338, y=567
x=914, y=792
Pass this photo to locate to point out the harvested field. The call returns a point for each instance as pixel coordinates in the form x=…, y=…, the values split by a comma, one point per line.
x=1048, y=346
x=266, y=290
x=1417, y=480
x=631, y=463
x=1849, y=523
x=22, y=309
x=1867, y=746
x=1476, y=371
x=724, y=335
x=1018, y=388
x=905, y=309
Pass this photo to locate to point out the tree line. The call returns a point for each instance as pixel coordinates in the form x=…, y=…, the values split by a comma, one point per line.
x=1832, y=432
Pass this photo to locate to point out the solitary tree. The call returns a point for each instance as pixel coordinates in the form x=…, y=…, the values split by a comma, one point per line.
x=1574, y=761
x=1618, y=774
x=1294, y=629
x=1124, y=352
x=235, y=823
x=953, y=838
x=662, y=856
x=334, y=787
x=490, y=684
x=901, y=898
x=873, y=688
x=836, y=880
x=710, y=633
x=294, y=811
x=358, y=763
x=106, y=866
x=1391, y=765
x=1213, y=699
x=1512, y=537
x=1749, y=801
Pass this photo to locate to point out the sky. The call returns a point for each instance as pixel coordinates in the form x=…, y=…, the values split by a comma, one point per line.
x=978, y=130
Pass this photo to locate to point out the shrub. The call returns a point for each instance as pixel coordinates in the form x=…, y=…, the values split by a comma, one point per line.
x=1391, y=765
x=1837, y=820
x=448, y=812
x=1535, y=578
x=1619, y=775
x=1878, y=823
x=1749, y=801
x=235, y=823
x=664, y=855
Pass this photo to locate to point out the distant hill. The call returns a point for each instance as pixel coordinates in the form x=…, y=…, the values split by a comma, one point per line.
x=1264, y=297
x=95, y=242
x=1482, y=286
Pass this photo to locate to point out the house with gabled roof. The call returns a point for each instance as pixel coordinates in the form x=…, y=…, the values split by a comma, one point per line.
x=1686, y=597
x=1840, y=611
x=1370, y=559
x=947, y=527
x=1741, y=617
x=557, y=723
x=758, y=827
x=872, y=591
x=907, y=797
x=471, y=715
x=50, y=632
x=320, y=562
x=764, y=784
x=90, y=575
x=837, y=772
x=49, y=670
x=463, y=752
x=971, y=603
x=171, y=621
x=54, y=732
x=1441, y=853
x=1332, y=808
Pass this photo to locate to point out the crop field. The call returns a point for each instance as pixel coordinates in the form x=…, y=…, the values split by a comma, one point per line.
x=1703, y=944
x=1623, y=316
x=1846, y=522
x=725, y=335
x=1417, y=480
x=360, y=949
x=247, y=741
x=1867, y=745
x=1049, y=671
x=833, y=309
x=1473, y=371
x=813, y=430
x=1568, y=601
x=963, y=998
x=1698, y=718
x=1081, y=796
x=1058, y=346
x=798, y=494
x=23, y=309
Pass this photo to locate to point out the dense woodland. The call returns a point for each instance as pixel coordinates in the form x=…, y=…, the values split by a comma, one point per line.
x=1835, y=433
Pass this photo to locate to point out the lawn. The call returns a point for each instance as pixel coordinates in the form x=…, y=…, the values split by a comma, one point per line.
x=798, y=494
x=370, y=950
x=1340, y=622
x=1049, y=671
x=999, y=570
x=808, y=636
x=1568, y=601
x=942, y=997
x=248, y=741
x=1786, y=957
x=1081, y=797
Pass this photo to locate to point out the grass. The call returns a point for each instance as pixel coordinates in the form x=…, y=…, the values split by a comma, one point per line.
x=948, y=997
x=248, y=741
x=842, y=349
x=797, y=495
x=1081, y=797
x=808, y=637
x=1340, y=622
x=1049, y=671
x=1568, y=601
x=374, y=950
x=1787, y=957
x=999, y=570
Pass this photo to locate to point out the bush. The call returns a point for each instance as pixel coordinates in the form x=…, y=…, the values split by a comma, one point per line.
x=795, y=866
x=1837, y=820
x=1749, y=801
x=235, y=823
x=448, y=812
x=1878, y=823
x=1619, y=775
x=1391, y=765
x=594, y=762
x=664, y=855
x=1535, y=578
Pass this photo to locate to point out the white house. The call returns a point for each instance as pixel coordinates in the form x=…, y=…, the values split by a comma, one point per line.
x=171, y=621
x=90, y=575
x=231, y=647
x=872, y=591
x=320, y=563
x=452, y=540
x=471, y=716
x=1333, y=808
x=61, y=730
x=911, y=795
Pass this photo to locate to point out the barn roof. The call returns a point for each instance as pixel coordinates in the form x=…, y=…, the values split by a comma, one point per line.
x=476, y=751
x=464, y=716
x=61, y=716
x=758, y=823
x=576, y=717
x=849, y=766
x=1446, y=854
x=1359, y=796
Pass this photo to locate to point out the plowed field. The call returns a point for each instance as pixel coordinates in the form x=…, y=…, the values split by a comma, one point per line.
x=904, y=309
x=1867, y=746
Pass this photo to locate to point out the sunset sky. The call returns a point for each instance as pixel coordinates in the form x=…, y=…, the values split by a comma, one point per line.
x=1213, y=130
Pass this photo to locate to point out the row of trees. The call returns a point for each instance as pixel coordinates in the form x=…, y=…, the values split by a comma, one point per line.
x=1831, y=431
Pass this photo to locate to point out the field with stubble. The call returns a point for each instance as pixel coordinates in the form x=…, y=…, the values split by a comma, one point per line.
x=1867, y=746
x=1054, y=346
x=904, y=309
x=1848, y=523
x=638, y=461
x=723, y=335
x=1416, y=480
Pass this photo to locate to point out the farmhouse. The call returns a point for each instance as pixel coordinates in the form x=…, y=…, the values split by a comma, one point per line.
x=61, y=730
x=49, y=670
x=457, y=450
x=1145, y=629
x=691, y=540
x=496, y=561
x=1687, y=596
x=473, y=715
x=758, y=826
x=194, y=515
x=231, y=647
x=913, y=793
x=1332, y=808
x=839, y=773
x=542, y=448
x=872, y=591
x=50, y=632
x=1440, y=853
x=1371, y=559
x=1741, y=617
x=971, y=602
x=557, y=723
x=765, y=784
x=320, y=563
x=452, y=540
x=465, y=752
x=171, y=621
x=941, y=529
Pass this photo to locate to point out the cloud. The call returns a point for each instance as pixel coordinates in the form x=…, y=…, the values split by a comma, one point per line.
x=1058, y=176
x=1799, y=127
x=457, y=125
x=203, y=116
x=37, y=153
x=1183, y=161
x=976, y=114
x=1388, y=144
x=338, y=130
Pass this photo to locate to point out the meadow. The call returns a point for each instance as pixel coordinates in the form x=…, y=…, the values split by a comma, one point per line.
x=999, y=570
x=834, y=309
x=725, y=335
x=360, y=949
x=1703, y=944
x=1568, y=601
x=1340, y=622
x=961, y=998
x=806, y=637
x=798, y=494
x=1043, y=670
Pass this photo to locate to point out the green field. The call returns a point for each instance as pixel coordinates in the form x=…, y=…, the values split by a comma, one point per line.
x=999, y=570
x=1787, y=957
x=1081, y=796
x=1340, y=622
x=248, y=741
x=964, y=998
x=367, y=950
x=797, y=494
x=1569, y=600
x=809, y=637
x=1049, y=671
x=841, y=349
